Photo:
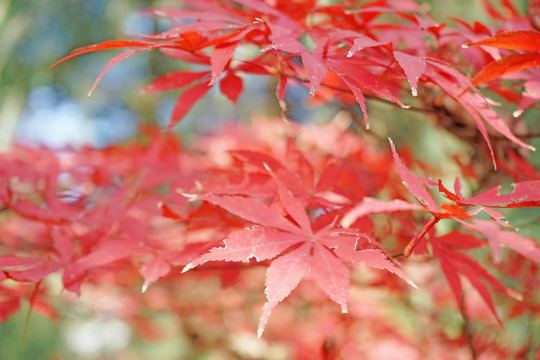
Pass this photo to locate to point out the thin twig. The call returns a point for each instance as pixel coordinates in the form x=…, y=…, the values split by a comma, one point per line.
x=439, y=111
x=467, y=331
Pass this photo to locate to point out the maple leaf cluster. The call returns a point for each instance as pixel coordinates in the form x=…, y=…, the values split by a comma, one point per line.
x=311, y=203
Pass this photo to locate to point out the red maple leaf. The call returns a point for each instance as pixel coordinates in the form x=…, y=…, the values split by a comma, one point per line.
x=528, y=40
x=323, y=251
x=526, y=194
x=447, y=249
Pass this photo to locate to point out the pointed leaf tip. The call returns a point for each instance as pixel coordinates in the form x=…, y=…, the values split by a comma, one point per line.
x=190, y=197
x=517, y=113
x=514, y=294
x=188, y=267
x=413, y=67
x=411, y=283
x=528, y=40
x=186, y=101
x=213, y=80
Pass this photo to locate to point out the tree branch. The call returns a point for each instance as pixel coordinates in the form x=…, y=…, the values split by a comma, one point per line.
x=439, y=111
x=467, y=331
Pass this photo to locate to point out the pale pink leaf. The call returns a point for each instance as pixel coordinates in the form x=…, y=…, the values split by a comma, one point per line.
x=457, y=187
x=374, y=206
x=316, y=70
x=331, y=275
x=292, y=205
x=452, y=89
x=361, y=77
x=284, y=38
x=413, y=184
x=106, y=253
x=360, y=99
x=257, y=242
x=27, y=269
x=63, y=245
x=493, y=119
x=37, y=272
x=414, y=68
x=479, y=124
x=15, y=263
x=362, y=42
x=475, y=103
x=253, y=211
x=285, y=43
x=282, y=277
x=299, y=165
x=372, y=258
x=497, y=237
x=153, y=270
x=332, y=237
x=339, y=35
x=525, y=193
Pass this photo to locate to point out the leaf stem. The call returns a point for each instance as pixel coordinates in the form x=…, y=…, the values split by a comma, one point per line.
x=410, y=247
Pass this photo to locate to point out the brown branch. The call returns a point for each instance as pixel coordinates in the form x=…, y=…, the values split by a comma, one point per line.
x=528, y=135
x=439, y=111
x=467, y=331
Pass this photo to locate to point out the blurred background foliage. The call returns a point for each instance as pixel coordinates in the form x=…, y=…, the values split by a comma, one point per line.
x=40, y=106
x=35, y=34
